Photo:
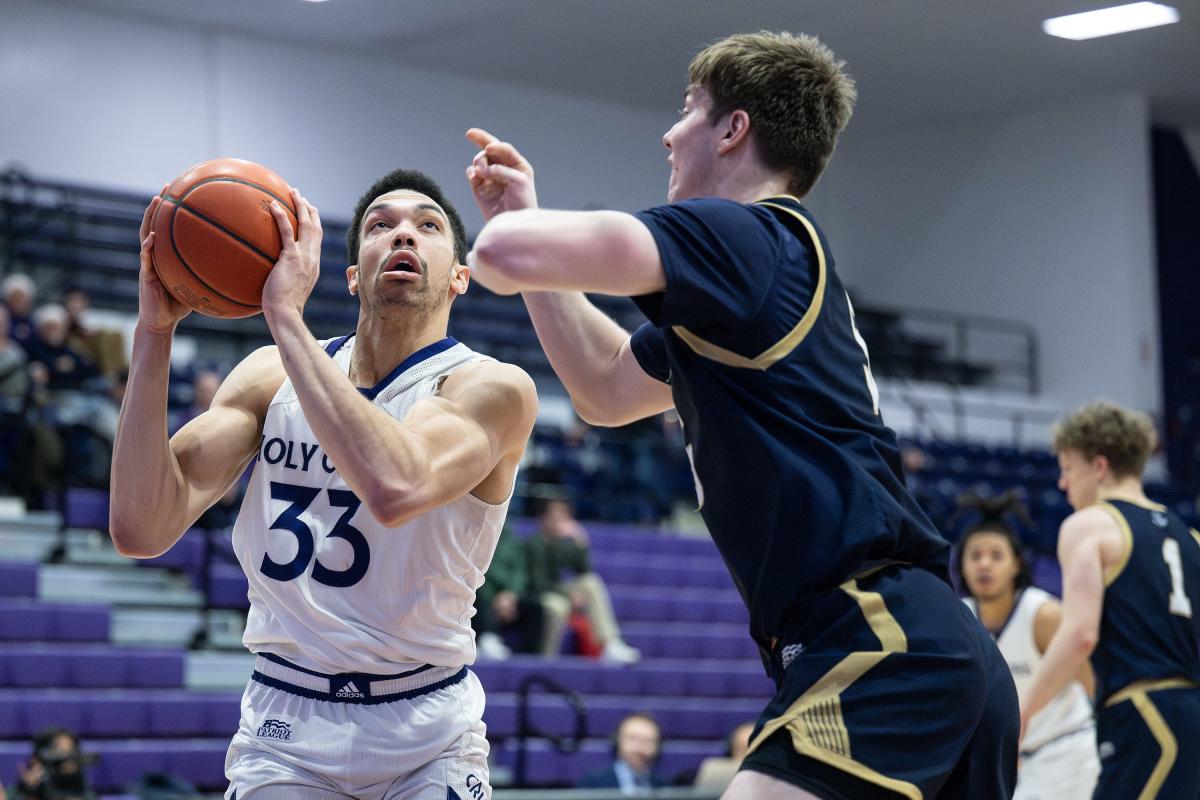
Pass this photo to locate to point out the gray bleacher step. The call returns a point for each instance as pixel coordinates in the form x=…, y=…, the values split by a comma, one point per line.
x=127, y=585
x=31, y=521
x=214, y=670
x=162, y=627
x=84, y=545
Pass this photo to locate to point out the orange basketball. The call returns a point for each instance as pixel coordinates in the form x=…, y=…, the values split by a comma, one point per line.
x=215, y=240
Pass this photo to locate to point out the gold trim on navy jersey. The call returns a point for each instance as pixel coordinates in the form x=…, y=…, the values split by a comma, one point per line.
x=1114, y=571
x=794, y=337
x=1195, y=535
x=815, y=721
x=1162, y=734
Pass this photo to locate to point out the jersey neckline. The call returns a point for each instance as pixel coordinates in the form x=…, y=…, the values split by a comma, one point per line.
x=425, y=353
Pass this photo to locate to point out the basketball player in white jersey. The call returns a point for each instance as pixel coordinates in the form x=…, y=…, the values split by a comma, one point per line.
x=1058, y=753
x=384, y=463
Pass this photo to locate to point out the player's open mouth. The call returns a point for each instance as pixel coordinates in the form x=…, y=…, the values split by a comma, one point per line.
x=403, y=261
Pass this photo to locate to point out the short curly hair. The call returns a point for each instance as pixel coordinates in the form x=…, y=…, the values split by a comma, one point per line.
x=415, y=181
x=796, y=92
x=1125, y=438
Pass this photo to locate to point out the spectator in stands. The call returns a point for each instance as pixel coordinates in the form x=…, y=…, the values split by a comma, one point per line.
x=30, y=451
x=54, y=770
x=636, y=748
x=77, y=392
x=19, y=291
x=715, y=772
x=14, y=375
x=561, y=547
x=104, y=347
x=507, y=618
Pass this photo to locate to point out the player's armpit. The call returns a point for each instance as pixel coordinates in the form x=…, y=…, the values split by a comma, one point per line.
x=468, y=438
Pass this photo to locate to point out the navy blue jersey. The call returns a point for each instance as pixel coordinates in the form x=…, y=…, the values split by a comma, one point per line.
x=799, y=480
x=1151, y=617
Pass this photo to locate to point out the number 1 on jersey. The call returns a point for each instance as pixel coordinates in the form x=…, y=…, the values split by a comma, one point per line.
x=871, y=385
x=1178, y=602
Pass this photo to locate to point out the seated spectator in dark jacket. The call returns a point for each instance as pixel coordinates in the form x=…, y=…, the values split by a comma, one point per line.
x=507, y=618
x=104, y=347
x=76, y=391
x=560, y=574
x=14, y=373
x=636, y=747
x=54, y=770
x=19, y=291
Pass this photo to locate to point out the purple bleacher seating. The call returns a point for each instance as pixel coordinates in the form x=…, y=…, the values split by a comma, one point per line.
x=33, y=665
x=200, y=761
x=86, y=508
x=29, y=621
x=227, y=587
x=547, y=766
x=18, y=579
x=169, y=713
x=186, y=554
x=1047, y=574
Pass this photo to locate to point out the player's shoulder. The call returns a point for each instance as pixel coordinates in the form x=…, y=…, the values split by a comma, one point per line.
x=503, y=382
x=1094, y=519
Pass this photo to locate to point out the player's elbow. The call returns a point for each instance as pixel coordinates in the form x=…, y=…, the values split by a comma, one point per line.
x=501, y=257
x=599, y=413
x=395, y=504
x=1083, y=640
x=130, y=539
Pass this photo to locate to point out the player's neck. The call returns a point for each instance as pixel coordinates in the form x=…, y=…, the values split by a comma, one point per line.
x=1128, y=489
x=995, y=612
x=381, y=345
x=748, y=180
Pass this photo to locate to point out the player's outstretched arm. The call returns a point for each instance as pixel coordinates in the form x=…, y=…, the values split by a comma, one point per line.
x=160, y=487
x=1082, y=544
x=588, y=350
x=605, y=252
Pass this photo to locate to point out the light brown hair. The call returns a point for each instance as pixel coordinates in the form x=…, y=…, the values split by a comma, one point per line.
x=797, y=94
x=1126, y=438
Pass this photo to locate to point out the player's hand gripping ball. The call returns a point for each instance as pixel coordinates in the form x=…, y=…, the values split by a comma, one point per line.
x=215, y=240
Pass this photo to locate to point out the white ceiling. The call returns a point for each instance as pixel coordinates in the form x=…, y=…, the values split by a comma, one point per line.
x=913, y=59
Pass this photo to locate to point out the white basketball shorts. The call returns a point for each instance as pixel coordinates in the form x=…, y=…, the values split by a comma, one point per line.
x=306, y=735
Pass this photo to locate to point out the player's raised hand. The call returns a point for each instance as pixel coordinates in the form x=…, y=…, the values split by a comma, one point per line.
x=158, y=310
x=501, y=178
x=295, y=273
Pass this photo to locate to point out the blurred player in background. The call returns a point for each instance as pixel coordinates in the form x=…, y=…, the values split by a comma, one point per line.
x=385, y=463
x=1131, y=596
x=886, y=685
x=1058, y=753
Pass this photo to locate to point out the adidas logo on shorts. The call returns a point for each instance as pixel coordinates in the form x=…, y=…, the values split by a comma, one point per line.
x=275, y=729
x=349, y=692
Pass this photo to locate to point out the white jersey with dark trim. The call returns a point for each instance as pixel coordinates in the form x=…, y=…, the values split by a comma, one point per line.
x=1070, y=709
x=331, y=588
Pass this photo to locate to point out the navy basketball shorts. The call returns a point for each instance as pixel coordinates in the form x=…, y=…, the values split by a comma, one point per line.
x=889, y=687
x=1149, y=741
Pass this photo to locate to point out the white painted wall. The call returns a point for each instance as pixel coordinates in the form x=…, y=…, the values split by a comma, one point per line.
x=128, y=104
x=1043, y=216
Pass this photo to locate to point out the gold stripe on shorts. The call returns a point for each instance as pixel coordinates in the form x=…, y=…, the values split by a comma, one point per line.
x=815, y=722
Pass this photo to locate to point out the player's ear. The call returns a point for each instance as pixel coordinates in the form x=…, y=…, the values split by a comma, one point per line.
x=352, y=278
x=460, y=278
x=1101, y=466
x=736, y=131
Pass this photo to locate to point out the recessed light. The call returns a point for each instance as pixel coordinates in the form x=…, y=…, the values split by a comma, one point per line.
x=1107, y=21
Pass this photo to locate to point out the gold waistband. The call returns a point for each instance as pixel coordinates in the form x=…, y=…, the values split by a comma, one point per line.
x=1149, y=686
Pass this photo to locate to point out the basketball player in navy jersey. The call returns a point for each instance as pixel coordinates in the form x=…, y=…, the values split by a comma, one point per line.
x=384, y=461
x=1131, y=601
x=887, y=686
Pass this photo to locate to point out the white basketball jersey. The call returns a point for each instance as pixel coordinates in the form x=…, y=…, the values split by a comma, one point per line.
x=333, y=590
x=1070, y=709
